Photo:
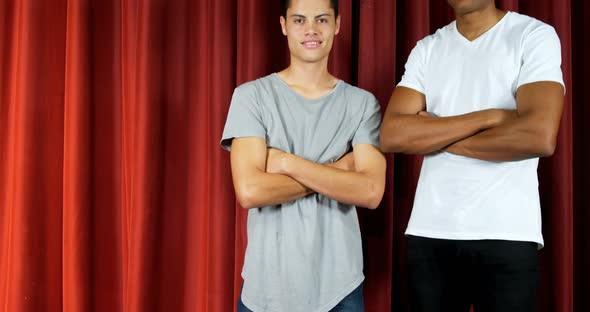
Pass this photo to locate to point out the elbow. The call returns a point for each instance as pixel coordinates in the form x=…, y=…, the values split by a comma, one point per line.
x=384, y=145
x=246, y=202
x=546, y=149
x=246, y=196
x=394, y=137
x=373, y=204
x=385, y=139
x=374, y=197
x=390, y=143
x=546, y=145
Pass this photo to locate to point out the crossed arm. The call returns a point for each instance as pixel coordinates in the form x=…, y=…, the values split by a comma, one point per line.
x=493, y=134
x=265, y=177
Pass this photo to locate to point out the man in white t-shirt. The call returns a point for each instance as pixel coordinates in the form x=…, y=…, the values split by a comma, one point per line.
x=482, y=100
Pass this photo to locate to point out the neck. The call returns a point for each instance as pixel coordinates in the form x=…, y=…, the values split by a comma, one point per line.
x=473, y=24
x=308, y=75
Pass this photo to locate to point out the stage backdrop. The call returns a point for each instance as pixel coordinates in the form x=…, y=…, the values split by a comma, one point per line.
x=114, y=193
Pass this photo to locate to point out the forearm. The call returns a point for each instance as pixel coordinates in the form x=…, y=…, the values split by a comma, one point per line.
x=416, y=134
x=515, y=140
x=269, y=189
x=349, y=187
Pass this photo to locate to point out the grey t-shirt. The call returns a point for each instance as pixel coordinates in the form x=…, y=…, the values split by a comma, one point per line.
x=303, y=255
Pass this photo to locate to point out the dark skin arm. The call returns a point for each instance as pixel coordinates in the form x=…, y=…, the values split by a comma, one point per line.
x=532, y=134
x=405, y=130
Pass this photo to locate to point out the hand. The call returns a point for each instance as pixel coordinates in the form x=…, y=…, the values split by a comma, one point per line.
x=346, y=162
x=276, y=161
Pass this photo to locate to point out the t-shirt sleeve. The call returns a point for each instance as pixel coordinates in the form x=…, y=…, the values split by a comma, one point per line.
x=413, y=77
x=244, y=118
x=541, y=59
x=368, y=130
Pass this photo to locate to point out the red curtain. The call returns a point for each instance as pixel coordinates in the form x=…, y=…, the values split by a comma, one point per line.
x=114, y=193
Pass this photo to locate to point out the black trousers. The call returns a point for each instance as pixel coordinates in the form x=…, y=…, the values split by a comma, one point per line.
x=493, y=275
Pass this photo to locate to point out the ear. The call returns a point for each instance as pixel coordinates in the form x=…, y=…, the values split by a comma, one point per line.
x=337, y=25
x=283, y=25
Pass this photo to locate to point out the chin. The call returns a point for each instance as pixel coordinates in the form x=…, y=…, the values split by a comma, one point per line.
x=308, y=59
x=312, y=57
x=467, y=6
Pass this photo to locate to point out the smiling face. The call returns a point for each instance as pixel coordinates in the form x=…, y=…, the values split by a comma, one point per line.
x=310, y=27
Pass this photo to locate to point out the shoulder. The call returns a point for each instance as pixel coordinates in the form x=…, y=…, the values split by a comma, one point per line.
x=359, y=100
x=431, y=42
x=524, y=26
x=355, y=93
x=440, y=34
x=254, y=86
x=524, y=21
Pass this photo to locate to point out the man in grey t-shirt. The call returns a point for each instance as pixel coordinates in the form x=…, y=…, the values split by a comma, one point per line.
x=304, y=154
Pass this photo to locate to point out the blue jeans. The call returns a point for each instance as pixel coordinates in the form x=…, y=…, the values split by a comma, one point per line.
x=354, y=302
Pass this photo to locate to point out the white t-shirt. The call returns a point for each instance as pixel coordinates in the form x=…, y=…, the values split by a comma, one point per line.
x=465, y=198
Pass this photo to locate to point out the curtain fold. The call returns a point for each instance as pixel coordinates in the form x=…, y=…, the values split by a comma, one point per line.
x=580, y=94
x=33, y=155
x=115, y=194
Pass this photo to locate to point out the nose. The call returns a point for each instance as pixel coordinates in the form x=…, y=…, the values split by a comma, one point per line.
x=310, y=29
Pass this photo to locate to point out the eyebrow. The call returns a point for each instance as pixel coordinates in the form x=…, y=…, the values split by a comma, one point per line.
x=303, y=16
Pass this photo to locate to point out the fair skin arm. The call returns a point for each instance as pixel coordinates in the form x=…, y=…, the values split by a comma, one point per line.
x=532, y=134
x=255, y=187
x=362, y=187
x=406, y=130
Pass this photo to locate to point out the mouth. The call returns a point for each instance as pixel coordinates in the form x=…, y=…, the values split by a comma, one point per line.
x=311, y=44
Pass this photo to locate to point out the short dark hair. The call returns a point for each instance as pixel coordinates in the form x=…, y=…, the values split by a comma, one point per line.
x=287, y=4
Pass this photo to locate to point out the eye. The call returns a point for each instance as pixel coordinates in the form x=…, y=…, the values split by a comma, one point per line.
x=298, y=21
x=322, y=20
